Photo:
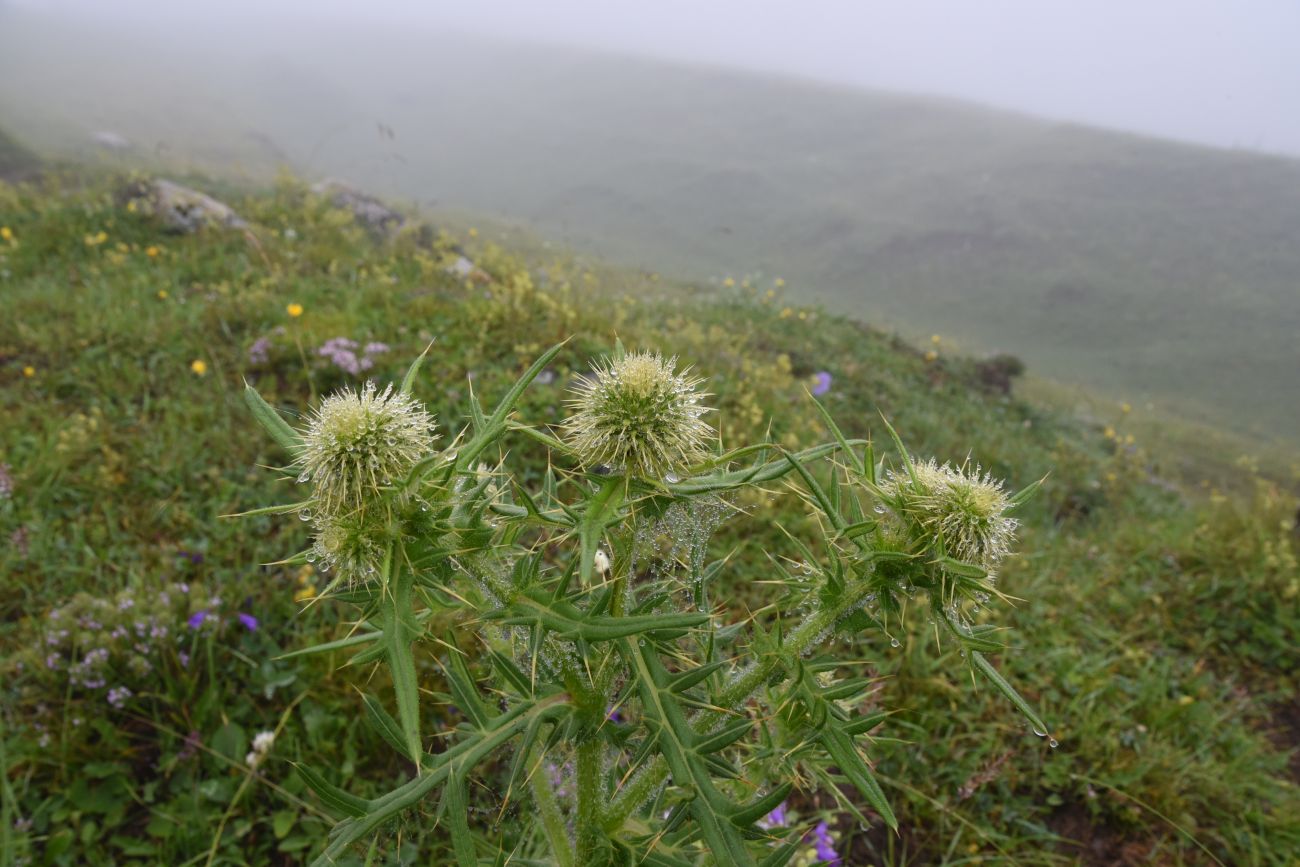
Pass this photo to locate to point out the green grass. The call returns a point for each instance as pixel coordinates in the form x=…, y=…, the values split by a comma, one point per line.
x=1156, y=630
x=1146, y=270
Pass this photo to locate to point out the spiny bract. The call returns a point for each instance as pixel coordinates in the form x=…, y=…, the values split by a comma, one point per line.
x=359, y=442
x=966, y=511
x=639, y=416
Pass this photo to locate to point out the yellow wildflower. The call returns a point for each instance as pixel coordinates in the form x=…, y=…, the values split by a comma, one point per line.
x=6, y=233
x=786, y=312
x=473, y=233
x=199, y=366
x=294, y=309
x=151, y=252
x=1185, y=700
x=29, y=371
x=1125, y=408
x=931, y=355
x=729, y=282
x=162, y=293
x=803, y=314
x=1109, y=432
x=778, y=282
x=935, y=339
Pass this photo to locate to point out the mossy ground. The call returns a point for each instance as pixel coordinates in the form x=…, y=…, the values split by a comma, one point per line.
x=1156, y=629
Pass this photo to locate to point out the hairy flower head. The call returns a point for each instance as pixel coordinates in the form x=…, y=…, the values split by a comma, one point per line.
x=358, y=442
x=965, y=511
x=351, y=546
x=637, y=414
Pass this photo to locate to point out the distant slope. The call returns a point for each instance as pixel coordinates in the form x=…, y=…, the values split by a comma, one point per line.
x=16, y=161
x=1148, y=270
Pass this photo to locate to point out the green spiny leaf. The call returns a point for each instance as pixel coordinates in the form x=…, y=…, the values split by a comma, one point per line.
x=271, y=421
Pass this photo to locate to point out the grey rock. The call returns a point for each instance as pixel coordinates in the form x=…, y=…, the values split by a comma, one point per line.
x=366, y=209
x=185, y=210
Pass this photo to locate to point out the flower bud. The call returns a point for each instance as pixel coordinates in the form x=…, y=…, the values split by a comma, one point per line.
x=639, y=416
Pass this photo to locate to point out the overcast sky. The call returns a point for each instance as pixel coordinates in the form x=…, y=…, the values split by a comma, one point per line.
x=1223, y=72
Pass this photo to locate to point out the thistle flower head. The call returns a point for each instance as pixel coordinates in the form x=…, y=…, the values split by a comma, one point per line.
x=966, y=511
x=352, y=546
x=361, y=441
x=638, y=415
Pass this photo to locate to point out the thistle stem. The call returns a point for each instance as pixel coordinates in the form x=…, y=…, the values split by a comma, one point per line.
x=557, y=835
x=808, y=634
x=590, y=795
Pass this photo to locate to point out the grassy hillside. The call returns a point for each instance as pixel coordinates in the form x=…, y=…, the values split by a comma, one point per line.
x=1156, y=630
x=1150, y=271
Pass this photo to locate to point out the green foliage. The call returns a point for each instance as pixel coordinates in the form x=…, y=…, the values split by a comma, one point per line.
x=1153, y=618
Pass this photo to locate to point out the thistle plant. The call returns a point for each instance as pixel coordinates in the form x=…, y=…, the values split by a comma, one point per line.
x=633, y=717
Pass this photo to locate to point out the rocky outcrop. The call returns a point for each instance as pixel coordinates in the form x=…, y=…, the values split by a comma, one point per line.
x=366, y=209
x=181, y=209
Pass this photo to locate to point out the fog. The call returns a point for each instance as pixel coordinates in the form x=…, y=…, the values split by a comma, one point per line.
x=1138, y=267
x=1209, y=71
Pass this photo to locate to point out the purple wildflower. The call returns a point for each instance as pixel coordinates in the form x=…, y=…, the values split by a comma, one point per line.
x=192, y=743
x=376, y=348
x=249, y=621
x=822, y=383
x=614, y=716
x=260, y=351
x=18, y=539
x=824, y=844
x=197, y=618
x=774, y=819
x=343, y=352
x=118, y=695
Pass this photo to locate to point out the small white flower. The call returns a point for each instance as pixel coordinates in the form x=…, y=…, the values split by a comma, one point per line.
x=253, y=759
x=263, y=740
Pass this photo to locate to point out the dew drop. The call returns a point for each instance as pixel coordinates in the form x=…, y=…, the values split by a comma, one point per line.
x=304, y=477
x=894, y=642
x=1041, y=733
x=672, y=478
x=1053, y=743
x=304, y=515
x=879, y=509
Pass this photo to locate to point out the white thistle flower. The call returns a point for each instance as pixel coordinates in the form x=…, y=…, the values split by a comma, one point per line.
x=966, y=512
x=638, y=415
x=359, y=442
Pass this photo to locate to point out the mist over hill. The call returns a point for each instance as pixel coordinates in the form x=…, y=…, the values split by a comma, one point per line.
x=1147, y=270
